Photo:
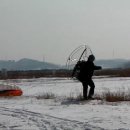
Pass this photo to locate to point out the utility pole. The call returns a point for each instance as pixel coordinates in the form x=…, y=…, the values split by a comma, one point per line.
x=113, y=54
x=43, y=58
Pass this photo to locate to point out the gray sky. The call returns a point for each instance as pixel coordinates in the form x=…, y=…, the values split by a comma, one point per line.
x=53, y=28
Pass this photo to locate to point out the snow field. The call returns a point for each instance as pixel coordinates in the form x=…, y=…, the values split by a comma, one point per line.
x=28, y=112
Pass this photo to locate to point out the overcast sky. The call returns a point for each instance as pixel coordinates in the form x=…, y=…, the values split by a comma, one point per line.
x=51, y=29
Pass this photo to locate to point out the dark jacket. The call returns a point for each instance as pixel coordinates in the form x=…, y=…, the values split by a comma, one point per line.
x=84, y=70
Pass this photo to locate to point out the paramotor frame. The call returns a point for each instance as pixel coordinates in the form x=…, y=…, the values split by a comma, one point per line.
x=80, y=53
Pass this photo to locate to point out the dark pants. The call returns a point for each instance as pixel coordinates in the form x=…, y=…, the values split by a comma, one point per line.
x=85, y=88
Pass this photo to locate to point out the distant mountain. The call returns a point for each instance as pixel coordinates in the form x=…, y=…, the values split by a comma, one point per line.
x=30, y=64
x=27, y=64
x=127, y=65
x=113, y=63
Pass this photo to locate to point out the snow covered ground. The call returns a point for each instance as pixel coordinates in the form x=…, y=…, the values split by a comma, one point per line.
x=29, y=113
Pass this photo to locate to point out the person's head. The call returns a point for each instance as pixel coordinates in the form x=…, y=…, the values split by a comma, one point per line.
x=91, y=58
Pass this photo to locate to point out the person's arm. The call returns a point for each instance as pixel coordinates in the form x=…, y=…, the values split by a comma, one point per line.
x=97, y=67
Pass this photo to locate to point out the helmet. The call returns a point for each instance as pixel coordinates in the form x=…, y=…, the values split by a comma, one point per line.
x=91, y=58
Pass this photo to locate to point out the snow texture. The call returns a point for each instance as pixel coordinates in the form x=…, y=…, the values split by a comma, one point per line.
x=30, y=113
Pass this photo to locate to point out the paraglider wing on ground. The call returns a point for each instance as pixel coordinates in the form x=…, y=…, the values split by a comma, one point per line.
x=9, y=90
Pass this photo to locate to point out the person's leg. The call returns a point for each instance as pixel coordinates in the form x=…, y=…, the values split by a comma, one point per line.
x=85, y=89
x=92, y=87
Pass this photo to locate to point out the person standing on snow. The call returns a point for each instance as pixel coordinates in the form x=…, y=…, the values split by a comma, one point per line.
x=84, y=71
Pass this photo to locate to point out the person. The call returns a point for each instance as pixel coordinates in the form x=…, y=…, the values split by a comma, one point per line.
x=83, y=71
